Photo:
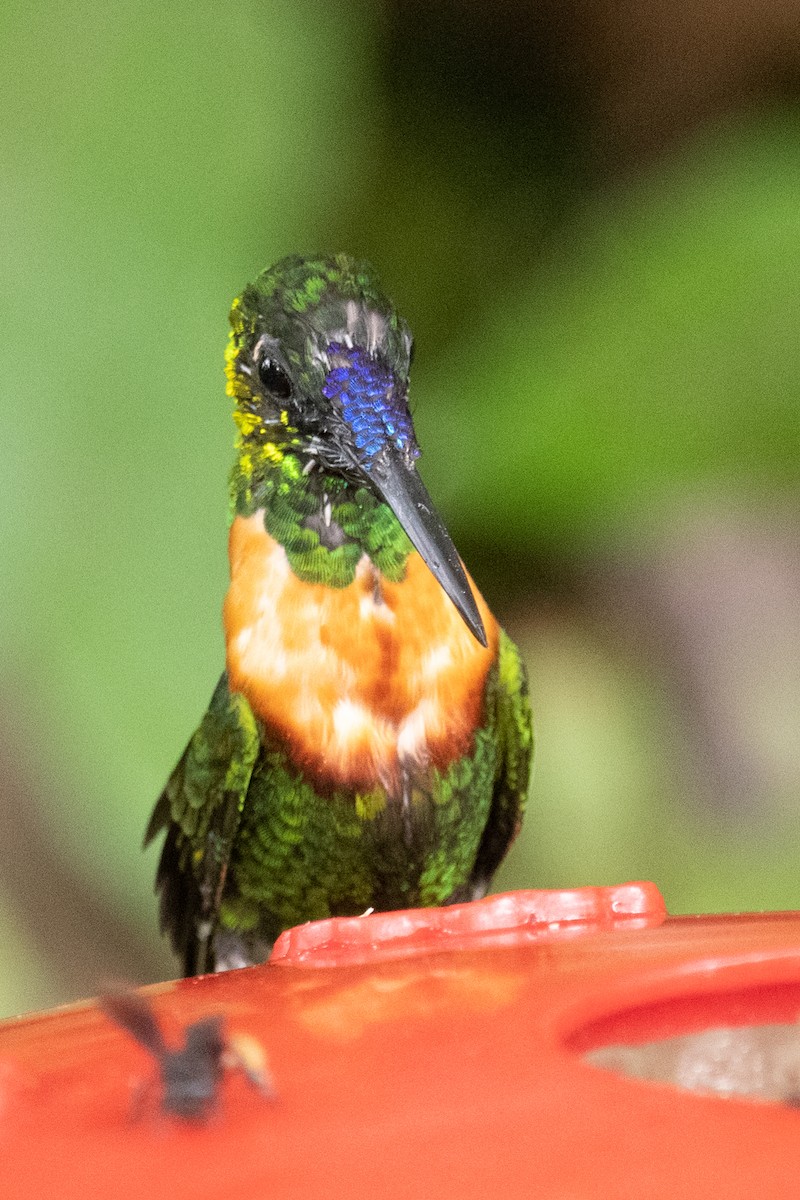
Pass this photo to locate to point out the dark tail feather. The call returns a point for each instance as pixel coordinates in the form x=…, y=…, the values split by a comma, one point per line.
x=179, y=902
x=160, y=818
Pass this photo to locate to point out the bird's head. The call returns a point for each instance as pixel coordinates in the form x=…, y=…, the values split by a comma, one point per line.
x=318, y=365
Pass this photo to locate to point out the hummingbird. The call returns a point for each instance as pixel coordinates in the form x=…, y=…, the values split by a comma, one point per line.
x=369, y=743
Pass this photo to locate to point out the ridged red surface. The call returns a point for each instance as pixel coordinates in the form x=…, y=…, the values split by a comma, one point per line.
x=524, y=915
x=429, y=1054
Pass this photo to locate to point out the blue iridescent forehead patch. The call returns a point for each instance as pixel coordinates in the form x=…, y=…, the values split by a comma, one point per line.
x=370, y=402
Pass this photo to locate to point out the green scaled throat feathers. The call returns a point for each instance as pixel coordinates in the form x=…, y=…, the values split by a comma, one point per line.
x=369, y=742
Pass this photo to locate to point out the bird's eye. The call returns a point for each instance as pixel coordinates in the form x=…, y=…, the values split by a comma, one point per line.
x=274, y=378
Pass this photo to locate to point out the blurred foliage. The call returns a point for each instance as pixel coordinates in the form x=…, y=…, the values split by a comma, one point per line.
x=589, y=359
x=655, y=350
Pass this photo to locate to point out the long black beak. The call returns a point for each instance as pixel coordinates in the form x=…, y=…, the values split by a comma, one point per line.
x=401, y=488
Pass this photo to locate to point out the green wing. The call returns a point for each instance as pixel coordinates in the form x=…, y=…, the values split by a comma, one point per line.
x=200, y=808
x=514, y=731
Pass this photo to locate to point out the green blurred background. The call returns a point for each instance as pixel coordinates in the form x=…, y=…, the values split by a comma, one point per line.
x=589, y=214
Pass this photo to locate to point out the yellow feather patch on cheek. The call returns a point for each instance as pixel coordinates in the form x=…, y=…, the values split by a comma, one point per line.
x=236, y=387
x=247, y=422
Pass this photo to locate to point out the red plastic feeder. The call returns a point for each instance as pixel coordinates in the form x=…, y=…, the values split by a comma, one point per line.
x=438, y=1053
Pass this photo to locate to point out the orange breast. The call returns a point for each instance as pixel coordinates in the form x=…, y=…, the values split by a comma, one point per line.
x=361, y=680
